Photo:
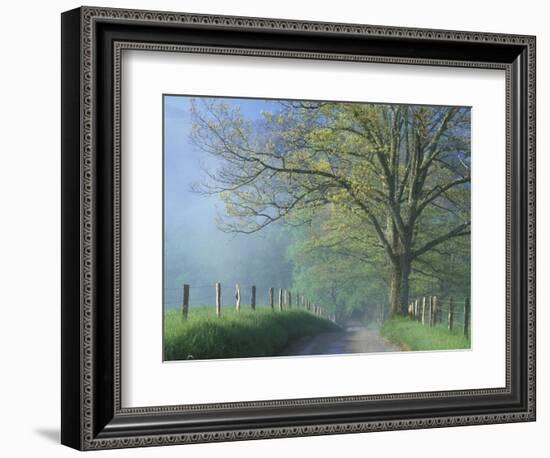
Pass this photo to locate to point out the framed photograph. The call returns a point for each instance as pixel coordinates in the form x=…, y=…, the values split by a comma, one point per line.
x=276, y=228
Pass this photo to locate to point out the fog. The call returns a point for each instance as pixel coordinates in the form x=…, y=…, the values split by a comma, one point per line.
x=196, y=252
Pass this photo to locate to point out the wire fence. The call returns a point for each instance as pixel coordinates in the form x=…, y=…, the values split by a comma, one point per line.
x=244, y=295
x=205, y=294
x=427, y=310
x=434, y=310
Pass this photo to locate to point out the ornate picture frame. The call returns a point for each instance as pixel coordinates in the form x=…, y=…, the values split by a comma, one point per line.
x=93, y=416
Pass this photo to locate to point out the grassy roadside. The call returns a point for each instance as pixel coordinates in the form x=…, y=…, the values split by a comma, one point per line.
x=412, y=335
x=236, y=335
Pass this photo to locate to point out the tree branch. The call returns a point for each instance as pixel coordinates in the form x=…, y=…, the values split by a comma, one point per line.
x=456, y=232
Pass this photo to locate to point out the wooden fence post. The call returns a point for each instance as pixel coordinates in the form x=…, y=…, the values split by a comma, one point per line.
x=218, y=300
x=270, y=296
x=424, y=310
x=185, y=303
x=466, y=315
x=451, y=315
x=436, y=309
x=237, y=298
x=253, y=298
x=416, y=310
x=280, y=299
x=431, y=317
x=289, y=300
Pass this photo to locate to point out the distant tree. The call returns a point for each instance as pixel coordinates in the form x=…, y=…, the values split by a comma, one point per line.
x=334, y=265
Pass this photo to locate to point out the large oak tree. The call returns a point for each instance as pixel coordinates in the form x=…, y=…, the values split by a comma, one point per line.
x=399, y=174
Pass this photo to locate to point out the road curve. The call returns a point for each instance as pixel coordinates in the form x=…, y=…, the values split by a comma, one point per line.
x=354, y=338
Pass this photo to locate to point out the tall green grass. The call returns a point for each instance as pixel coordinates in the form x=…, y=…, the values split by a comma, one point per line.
x=412, y=335
x=236, y=335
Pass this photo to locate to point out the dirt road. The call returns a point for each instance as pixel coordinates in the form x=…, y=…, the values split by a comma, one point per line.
x=354, y=338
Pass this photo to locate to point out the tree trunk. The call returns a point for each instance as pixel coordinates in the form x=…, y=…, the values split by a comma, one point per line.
x=405, y=286
x=399, y=287
x=395, y=291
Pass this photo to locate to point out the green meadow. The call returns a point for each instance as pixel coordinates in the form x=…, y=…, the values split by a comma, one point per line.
x=264, y=332
x=412, y=335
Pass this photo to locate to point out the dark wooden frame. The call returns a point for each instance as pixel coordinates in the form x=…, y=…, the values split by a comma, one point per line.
x=92, y=40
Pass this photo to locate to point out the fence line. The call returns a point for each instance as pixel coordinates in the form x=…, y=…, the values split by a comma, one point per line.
x=218, y=299
x=284, y=300
x=430, y=310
